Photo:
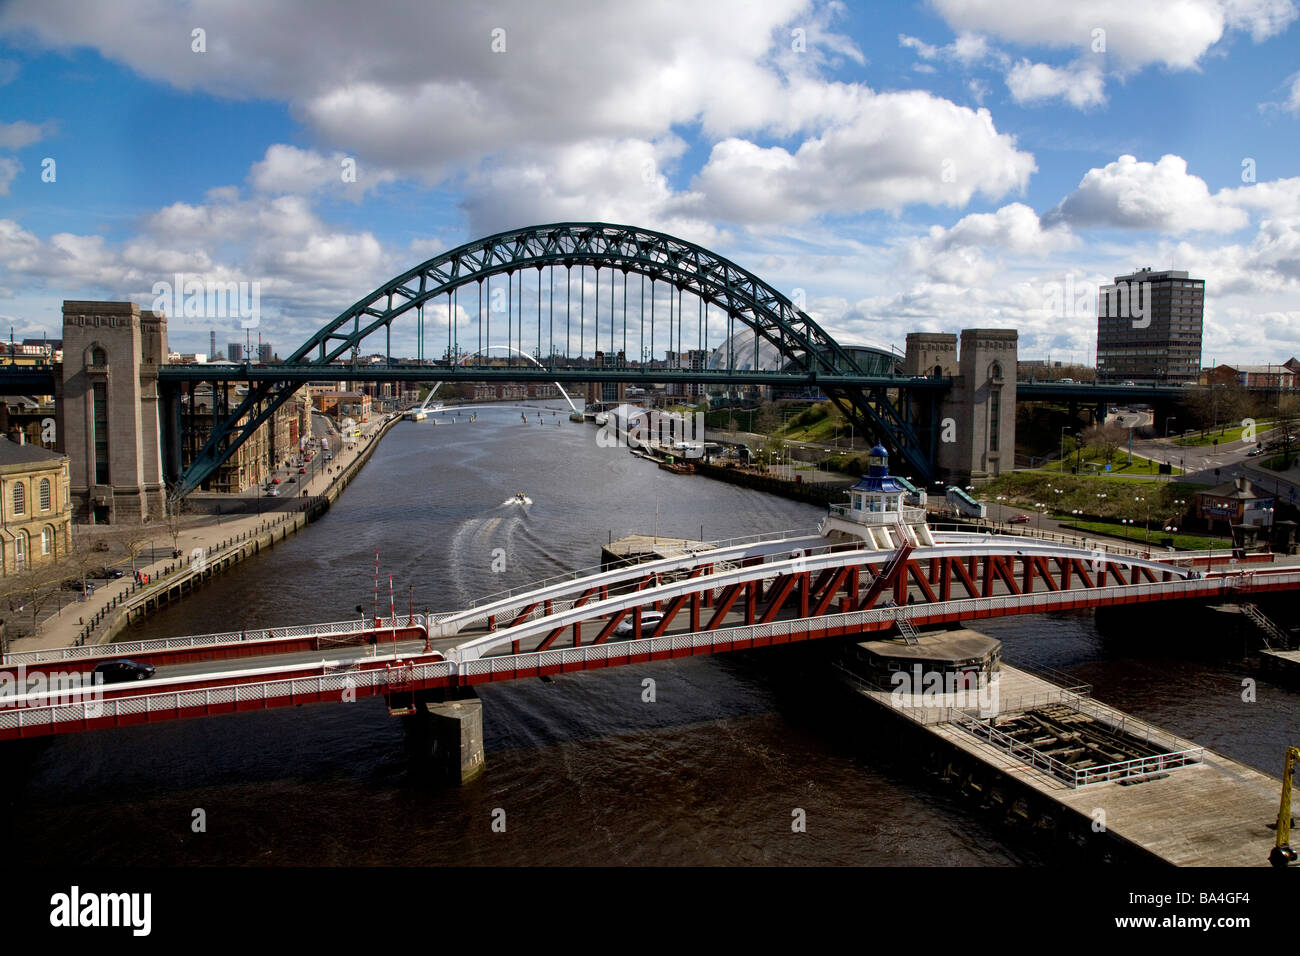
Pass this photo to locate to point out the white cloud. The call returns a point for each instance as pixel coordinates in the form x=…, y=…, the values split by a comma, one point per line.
x=1161, y=196
x=22, y=133
x=1138, y=33
x=415, y=86
x=624, y=181
x=967, y=49
x=1081, y=84
x=288, y=169
x=9, y=170
x=959, y=255
x=899, y=149
x=1261, y=18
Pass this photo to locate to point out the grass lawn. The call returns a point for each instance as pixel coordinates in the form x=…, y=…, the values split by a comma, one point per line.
x=1227, y=436
x=1136, y=533
x=1062, y=493
x=1120, y=467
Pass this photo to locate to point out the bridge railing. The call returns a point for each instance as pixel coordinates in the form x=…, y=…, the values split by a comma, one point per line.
x=564, y=577
x=128, y=648
x=340, y=681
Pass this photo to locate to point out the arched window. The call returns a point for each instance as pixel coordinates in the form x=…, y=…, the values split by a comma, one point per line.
x=20, y=550
x=98, y=357
x=47, y=540
x=995, y=371
x=20, y=498
x=45, y=494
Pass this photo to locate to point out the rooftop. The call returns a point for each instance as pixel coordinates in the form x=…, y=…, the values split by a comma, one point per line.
x=11, y=453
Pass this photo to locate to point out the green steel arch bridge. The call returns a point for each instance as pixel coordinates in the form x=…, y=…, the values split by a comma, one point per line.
x=697, y=300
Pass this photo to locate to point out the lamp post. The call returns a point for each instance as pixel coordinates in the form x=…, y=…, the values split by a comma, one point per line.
x=1147, y=523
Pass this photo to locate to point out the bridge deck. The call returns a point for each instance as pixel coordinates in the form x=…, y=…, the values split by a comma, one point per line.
x=1213, y=813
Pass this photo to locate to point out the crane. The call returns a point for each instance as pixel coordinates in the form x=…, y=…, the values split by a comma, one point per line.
x=1282, y=854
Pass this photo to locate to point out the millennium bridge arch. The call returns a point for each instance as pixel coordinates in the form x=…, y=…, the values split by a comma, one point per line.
x=465, y=274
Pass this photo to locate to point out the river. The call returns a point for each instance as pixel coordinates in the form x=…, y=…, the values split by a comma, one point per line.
x=582, y=770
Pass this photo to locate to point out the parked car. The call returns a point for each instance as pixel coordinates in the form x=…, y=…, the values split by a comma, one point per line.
x=1019, y=519
x=106, y=572
x=124, y=669
x=71, y=584
x=648, y=620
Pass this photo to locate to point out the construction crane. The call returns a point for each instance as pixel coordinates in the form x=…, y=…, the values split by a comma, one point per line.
x=1282, y=854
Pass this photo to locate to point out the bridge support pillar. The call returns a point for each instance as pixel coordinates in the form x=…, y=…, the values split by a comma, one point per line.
x=447, y=727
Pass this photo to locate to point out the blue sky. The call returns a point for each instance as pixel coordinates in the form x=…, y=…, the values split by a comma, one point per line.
x=931, y=166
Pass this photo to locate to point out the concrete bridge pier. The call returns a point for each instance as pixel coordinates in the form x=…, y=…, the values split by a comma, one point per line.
x=447, y=731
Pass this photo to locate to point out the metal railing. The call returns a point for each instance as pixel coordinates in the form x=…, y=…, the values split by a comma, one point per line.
x=340, y=681
x=591, y=570
x=128, y=648
x=907, y=515
x=1074, y=776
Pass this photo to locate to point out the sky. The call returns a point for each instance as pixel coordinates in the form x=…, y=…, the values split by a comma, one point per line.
x=893, y=167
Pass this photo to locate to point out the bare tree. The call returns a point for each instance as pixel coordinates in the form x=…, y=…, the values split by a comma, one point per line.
x=82, y=557
x=1105, y=438
x=32, y=588
x=133, y=538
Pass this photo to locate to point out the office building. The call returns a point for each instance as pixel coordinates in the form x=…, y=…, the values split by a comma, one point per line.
x=1149, y=328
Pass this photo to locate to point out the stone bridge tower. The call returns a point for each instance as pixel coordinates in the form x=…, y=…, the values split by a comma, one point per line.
x=973, y=432
x=111, y=355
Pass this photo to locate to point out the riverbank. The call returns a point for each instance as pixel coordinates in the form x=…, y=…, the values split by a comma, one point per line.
x=215, y=544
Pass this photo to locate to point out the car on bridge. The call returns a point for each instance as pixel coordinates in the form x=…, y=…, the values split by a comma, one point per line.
x=648, y=620
x=1019, y=519
x=115, y=672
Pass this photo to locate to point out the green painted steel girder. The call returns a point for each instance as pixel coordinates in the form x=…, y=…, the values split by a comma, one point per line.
x=719, y=282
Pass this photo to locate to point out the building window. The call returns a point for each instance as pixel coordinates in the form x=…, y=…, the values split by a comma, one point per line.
x=20, y=498
x=98, y=357
x=101, y=433
x=47, y=540
x=20, y=550
x=995, y=417
x=45, y=494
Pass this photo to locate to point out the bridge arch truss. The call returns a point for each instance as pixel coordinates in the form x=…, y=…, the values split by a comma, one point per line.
x=745, y=300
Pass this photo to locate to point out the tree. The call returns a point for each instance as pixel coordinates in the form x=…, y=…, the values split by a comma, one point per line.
x=81, y=558
x=32, y=589
x=1287, y=429
x=133, y=538
x=1105, y=438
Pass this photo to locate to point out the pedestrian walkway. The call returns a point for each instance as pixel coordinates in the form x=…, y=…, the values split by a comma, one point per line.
x=209, y=537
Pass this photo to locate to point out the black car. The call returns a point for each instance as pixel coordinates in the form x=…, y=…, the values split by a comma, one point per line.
x=124, y=669
x=106, y=572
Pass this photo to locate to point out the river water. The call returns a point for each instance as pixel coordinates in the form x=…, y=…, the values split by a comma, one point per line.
x=581, y=770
